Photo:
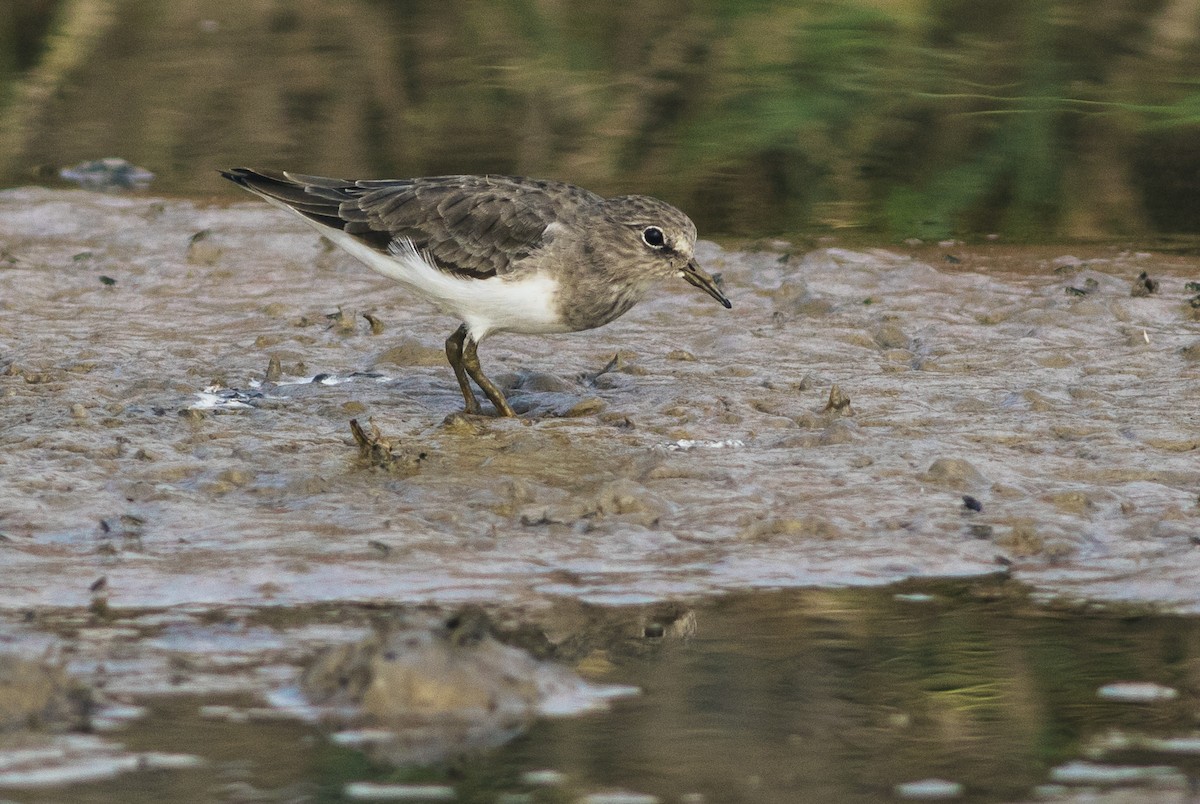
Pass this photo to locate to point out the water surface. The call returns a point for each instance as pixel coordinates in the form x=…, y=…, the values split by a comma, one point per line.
x=806, y=695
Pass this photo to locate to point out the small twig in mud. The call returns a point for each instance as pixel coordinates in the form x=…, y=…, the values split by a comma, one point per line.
x=617, y=363
x=1089, y=285
x=839, y=402
x=376, y=449
x=342, y=321
x=376, y=324
x=611, y=365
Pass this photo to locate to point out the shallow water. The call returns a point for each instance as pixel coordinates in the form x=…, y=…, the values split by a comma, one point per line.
x=797, y=695
x=174, y=521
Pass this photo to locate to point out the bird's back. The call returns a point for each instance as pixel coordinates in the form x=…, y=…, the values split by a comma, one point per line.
x=472, y=226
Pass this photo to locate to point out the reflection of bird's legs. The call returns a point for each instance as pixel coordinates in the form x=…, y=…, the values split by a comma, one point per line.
x=454, y=353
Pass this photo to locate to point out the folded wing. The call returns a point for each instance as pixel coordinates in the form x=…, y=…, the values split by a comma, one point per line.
x=474, y=226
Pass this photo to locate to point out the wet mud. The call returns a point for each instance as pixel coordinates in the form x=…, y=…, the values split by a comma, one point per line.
x=178, y=383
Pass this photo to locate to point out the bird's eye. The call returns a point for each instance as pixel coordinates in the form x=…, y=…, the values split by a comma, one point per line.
x=653, y=237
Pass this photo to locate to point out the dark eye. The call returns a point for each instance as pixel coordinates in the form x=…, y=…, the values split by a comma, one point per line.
x=653, y=237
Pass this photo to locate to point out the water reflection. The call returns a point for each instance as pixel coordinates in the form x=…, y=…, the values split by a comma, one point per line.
x=911, y=117
x=772, y=697
x=840, y=696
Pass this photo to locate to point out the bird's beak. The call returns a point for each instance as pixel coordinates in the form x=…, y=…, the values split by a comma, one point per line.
x=695, y=275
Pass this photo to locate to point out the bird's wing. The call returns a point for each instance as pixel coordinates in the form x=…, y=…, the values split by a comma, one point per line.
x=472, y=226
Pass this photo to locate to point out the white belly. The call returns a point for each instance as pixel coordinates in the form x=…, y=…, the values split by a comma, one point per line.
x=524, y=304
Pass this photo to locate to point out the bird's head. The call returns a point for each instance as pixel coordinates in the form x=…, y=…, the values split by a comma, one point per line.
x=660, y=239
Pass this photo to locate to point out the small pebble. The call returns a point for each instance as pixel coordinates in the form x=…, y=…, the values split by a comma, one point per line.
x=839, y=402
x=201, y=250
x=953, y=472
x=1143, y=285
x=108, y=174
x=890, y=336
x=585, y=407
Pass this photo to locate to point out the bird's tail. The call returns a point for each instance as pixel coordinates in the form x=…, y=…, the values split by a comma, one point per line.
x=315, y=197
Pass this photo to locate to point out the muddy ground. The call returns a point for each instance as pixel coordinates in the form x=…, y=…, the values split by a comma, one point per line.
x=142, y=442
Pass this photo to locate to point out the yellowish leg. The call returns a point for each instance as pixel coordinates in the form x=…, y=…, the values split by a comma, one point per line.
x=461, y=351
x=454, y=353
x=470, y=361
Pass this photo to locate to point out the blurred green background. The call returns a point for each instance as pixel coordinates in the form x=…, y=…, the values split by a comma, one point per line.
x=1031, y=119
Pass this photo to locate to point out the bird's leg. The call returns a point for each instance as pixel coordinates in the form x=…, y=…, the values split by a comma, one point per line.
x=470, y=361
x=454, y=353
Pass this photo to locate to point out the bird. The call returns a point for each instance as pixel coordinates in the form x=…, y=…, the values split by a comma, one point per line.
x=500, y=253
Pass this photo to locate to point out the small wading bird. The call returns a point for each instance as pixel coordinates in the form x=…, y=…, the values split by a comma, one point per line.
x=501, y=253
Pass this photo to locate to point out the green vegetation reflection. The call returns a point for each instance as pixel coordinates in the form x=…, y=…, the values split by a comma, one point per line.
x=841, y=695
x=922, y=118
